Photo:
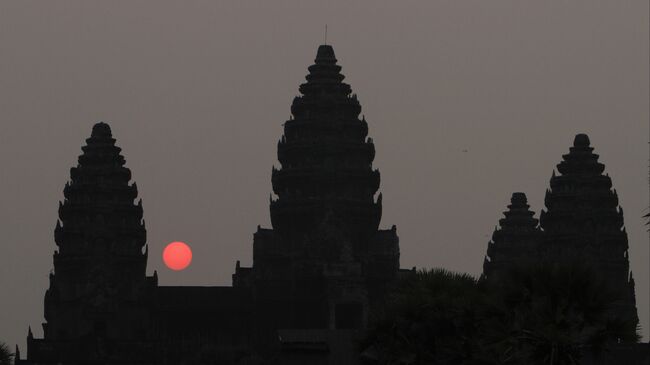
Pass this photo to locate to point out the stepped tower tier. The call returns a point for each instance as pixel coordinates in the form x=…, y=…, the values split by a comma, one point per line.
x=582, y=219
x=99, y=267
x=581, y=199
x=515, y=242
x=326, y=157
x=99, y=195
x=325, y=262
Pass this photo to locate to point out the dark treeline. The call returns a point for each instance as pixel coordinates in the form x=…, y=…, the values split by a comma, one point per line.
x=548, y=314
x=5, y=354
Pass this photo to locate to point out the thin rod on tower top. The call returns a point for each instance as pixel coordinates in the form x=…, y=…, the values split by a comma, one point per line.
x=325, y=34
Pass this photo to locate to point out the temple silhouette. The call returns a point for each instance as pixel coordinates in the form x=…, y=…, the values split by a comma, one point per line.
x=316, y=274
x=582, y=221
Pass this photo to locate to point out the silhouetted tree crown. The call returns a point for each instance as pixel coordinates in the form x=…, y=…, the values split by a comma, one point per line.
x=549, y=313
x=5, y=355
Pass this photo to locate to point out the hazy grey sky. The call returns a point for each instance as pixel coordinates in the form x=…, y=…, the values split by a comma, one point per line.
x=196, y=93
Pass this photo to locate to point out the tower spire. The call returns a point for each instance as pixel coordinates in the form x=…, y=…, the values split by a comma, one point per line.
x=515, y=242
x=99, y=236
x=583, y=219
x=315, y=172
x=323, y=212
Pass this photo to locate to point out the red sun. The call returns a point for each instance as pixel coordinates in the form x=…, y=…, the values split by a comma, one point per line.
x=177, y=256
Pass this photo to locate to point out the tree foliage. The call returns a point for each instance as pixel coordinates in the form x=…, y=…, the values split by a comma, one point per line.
x=5, y=354
x=430, y=318
x=544, y=314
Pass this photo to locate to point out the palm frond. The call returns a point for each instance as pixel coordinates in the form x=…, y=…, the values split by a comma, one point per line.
x=5, y=354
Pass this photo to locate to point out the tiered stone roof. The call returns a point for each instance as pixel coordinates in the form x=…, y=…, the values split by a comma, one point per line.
x=101, y=258
x=515, y=241
x=583, y=221
x=325, y=156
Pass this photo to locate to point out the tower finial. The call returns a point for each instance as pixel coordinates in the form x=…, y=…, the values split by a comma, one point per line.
x=325, y=34
x=581, y=140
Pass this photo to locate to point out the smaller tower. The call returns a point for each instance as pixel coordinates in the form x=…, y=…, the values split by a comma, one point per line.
x=583, y=220
x=97, y=290
x=17, y=355
x=516, y=242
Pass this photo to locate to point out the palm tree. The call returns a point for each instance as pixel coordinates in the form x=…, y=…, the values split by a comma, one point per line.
x=5, y=354
x=551, y=313
x=545, y=313
x=431, y=318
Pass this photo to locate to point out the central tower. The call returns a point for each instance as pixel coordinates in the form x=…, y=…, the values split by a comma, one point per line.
x=325, y=263
x=326, y=158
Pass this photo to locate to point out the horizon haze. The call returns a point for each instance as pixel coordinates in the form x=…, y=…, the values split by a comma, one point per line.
x=466, y=101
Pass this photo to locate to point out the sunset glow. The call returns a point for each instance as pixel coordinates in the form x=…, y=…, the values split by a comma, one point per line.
x=177, y=256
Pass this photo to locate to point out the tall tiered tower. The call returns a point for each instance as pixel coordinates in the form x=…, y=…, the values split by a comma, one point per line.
x=325, y=156
x=516, y=242
x=97, y=289
x=583, y=220
x=325, y=262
